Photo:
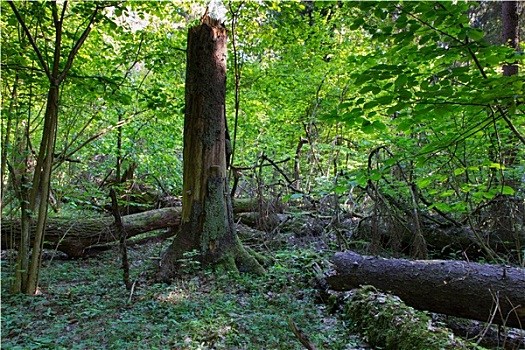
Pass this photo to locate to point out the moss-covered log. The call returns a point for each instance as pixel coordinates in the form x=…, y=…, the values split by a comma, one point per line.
x=390, y=324
x=470, y=290
x=73, y=235
x=243, y=205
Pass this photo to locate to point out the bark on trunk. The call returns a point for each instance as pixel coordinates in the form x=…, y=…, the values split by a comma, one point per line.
x=507, y=218
x=471, y=290
x=510, y=23
x=207, y=217
x=73, y=236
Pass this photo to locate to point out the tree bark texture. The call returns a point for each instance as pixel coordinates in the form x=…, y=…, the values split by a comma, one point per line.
x=509, y=20
x=477, y=291
x=207, y=217
x=507, y=220
x=73, y=236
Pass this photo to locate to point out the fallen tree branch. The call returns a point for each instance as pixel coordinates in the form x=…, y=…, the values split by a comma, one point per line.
x=303, y=338
x=74, y=235
x=77, y=236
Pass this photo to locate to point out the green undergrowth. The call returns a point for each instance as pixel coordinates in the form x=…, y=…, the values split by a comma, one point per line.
x=83, y=305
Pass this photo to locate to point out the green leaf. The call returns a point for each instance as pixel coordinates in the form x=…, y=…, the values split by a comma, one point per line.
x=405, y=124
x=497, y=166
x=379, y=125
x=441, y=206
x=489, y=194
x=466, y=188
x=475, y=34
x=423, y=182
x=370, y=104
x=292, y=196
x=507, y=190
x=401, y=81
x=367, y=126
x=340, y=189
x=447, y=193
x=459, y=171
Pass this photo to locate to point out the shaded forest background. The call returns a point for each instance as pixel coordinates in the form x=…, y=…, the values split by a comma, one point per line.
x=399, y=118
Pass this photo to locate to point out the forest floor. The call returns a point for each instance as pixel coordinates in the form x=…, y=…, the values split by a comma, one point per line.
x=83, y=304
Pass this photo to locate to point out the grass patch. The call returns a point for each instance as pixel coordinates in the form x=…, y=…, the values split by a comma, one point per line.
x=83, y=305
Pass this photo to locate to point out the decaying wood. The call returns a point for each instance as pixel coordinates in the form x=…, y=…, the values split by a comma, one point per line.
x=445, y=238
x=242, y=205
x=253, y=218
x=73, y=236
x=391, y=325
x=489, y=293
x=207, y=224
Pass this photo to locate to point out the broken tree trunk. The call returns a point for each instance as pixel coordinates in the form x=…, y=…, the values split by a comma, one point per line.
x=489, y=293
x=73, y=236
x=207, y=216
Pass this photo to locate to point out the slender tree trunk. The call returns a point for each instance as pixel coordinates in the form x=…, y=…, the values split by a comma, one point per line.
x=507, y=210
x=207, y=217
x=34, y=202
x=297, y=162
x=7, y=141
x=26, y=277
x=20, y=178
x=509, y=20
x=41, y=188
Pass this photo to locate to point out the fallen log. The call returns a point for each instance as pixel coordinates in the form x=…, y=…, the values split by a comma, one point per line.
x=489, y=293
x=445, y=240
x=464, y=239
x=242, y=205
x=73, y=235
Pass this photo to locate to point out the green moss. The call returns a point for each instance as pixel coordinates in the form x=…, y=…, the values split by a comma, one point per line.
x=238, y=259
x=227, y=265
x=390, y=324
x=261, y=258
x=215, y=210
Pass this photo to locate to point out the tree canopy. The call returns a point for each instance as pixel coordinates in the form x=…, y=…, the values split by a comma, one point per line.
x=404, y=101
